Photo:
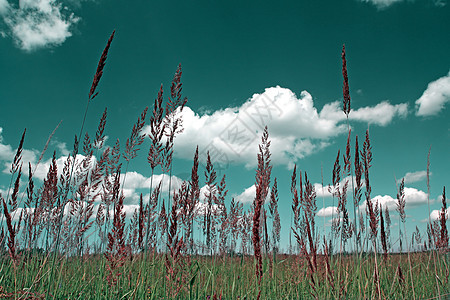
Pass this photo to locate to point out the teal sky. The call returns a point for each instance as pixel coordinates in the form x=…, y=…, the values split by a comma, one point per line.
x=235, y=57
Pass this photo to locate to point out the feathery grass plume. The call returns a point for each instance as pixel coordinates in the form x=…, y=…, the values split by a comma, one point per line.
x=387, y=218
x=18, y=156
x=346, y=93
x=358, y=175
x=373, y=209
x=347, y=228
x=336, y=177
x=157, y=128
x=262, y=186
x=192, y=203
x=224, y=226
x=295, y=200
x=116, y=253
x=328, y=270
x=163, y=221
x=210, y=195
x=173, y=122
x=136, y=138
x=273, y=209
x=151, y=212
x=49, y=195
x=12, y=235
x=309, y=202
x=173, y=260
x=99, y=72
x=347, y=157
x=442, y=242
x=417, y=237
x=13, y=201
x=100, y=133
x=28, y=214
x=383, y=235
x=235, y=218
x=141, y=223
x=401, y=201
x=357, y=193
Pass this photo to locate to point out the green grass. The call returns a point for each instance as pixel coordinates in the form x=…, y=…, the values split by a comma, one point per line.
x=231, y=278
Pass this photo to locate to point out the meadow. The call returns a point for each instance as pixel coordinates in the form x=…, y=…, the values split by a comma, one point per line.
x=70, y=237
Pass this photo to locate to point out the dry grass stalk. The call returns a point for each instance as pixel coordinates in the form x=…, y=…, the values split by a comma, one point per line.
x=442, y=241
x=12, y=235
x=173, y=259
x=273, y=209
x=345, y=87
x=262, y=186
x=18, y=155
x=224, y=225
x=99, y=72
x=295, y=200
x=383, y=235
x=192, y=202
x=136, y=138
x=235, y=218
x=116, y=252
x=210, y=195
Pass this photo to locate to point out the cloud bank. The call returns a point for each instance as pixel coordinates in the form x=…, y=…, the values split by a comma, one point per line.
x=296, y=128
x=36, y=24
x=434, y=98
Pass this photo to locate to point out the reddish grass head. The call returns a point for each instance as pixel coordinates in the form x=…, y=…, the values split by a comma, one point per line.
x=18, y=156
x=401, y=201
x=99, y=72
x=346, y=92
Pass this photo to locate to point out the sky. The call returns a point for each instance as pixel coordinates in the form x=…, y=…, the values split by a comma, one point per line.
x=245, y=65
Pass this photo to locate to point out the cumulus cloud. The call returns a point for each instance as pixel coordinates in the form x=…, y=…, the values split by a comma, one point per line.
x=411, y=177
x=249, y=194
x=381, y=4
x=436, y=214
x=434, y=98
x=296, y=128
x=4, y=7
x=327, y=211
x=36, y=24
x=413, y=198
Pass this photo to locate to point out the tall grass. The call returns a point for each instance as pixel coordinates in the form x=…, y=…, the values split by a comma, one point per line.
x=72, y=238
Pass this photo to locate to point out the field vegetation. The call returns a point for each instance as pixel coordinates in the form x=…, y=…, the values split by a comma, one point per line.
x=70, y=237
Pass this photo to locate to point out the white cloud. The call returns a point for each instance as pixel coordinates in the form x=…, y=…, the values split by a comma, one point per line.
x=296, y=129
x=4, y=7
x=413, y=198
x=327, y=211
x=434, y=97
x=380, y=4
x=381, y=114
x=411, y=177
x=36, y=24
x=248, y=195
x=435, y=214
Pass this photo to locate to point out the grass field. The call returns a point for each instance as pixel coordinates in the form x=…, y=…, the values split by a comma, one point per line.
x=70, y=238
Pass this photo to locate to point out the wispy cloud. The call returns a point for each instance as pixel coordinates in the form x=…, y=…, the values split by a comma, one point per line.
x=381, y=4
x=381, y=114
x=434, y=98
x=35, y=24
x=296, y=128
x=412, y=177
